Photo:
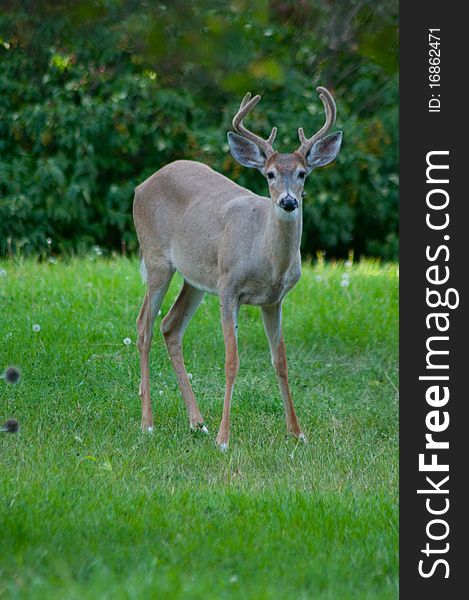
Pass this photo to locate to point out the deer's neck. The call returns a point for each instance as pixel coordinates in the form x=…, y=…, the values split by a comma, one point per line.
x=283, y=237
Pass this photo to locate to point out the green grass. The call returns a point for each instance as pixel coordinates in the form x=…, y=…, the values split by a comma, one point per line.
x=92, y=508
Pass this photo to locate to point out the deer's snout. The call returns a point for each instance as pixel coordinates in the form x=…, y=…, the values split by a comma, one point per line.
x=288, y=203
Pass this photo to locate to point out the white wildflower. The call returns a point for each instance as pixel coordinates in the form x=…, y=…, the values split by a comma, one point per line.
x=345, y=278
x=36, y=327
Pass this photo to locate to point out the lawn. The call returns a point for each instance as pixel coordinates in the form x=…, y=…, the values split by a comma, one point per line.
x=92, y=508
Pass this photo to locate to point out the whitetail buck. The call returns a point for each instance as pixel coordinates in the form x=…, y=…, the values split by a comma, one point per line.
x=225, y=240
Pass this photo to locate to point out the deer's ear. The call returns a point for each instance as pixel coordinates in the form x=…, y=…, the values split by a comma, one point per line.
x=245, y=151
x=324, y=150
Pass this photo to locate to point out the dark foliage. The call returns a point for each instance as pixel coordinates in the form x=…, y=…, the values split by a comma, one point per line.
x=96, y=95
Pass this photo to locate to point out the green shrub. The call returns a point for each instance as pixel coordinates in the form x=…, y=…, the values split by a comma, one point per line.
x=95, y=96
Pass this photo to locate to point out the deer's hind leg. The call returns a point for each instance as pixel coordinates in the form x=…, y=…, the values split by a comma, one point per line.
x=158, y=280
x=173, y=327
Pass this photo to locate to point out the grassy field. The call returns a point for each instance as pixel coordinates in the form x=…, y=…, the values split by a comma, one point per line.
x=92, y=508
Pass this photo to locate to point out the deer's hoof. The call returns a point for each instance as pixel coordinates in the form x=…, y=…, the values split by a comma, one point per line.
x=199, y=427
x=222, y=442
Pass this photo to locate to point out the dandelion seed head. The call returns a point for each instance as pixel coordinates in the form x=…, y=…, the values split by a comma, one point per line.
x=318, y=278
x=11, y=375
x=3, y=273
x=49, y=241
x=190, y=375
x=127, y=341
x=10, y=426
x=36, y=327
x=345, y=283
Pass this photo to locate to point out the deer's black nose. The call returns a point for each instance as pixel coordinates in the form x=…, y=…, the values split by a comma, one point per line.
x=288, y=203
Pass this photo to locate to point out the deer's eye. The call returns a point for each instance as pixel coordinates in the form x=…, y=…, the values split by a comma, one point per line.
x=270, y=175
x=301, y=175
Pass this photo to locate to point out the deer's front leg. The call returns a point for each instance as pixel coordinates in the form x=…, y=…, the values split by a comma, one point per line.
x=229, y=318
x=272, y=318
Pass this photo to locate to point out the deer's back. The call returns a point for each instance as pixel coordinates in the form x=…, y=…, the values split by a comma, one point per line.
x=185, y=182
x=180, y=215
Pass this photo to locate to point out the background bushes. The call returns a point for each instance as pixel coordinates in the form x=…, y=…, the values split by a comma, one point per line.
x=96, y=95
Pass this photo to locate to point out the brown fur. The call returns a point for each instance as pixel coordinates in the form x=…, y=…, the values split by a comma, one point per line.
x=226, y=240
x=223, y=239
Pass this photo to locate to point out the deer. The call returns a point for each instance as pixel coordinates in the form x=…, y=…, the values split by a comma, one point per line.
x=225, y=240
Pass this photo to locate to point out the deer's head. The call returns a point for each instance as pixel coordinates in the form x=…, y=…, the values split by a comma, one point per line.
x=285, y=173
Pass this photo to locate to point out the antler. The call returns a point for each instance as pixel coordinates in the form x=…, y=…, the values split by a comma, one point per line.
x=331, y=113
x=245, y=107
